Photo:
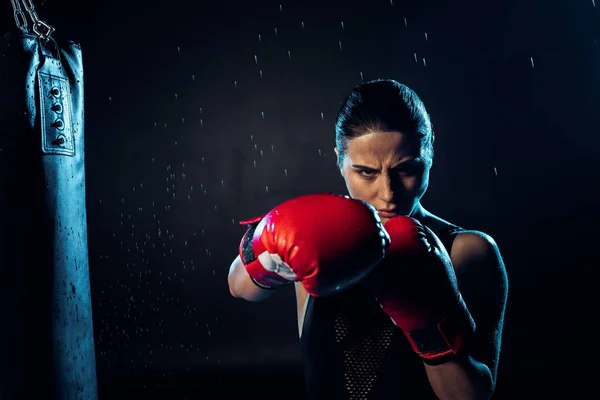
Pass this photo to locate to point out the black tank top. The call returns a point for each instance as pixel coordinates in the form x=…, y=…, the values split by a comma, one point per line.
x=352, y=351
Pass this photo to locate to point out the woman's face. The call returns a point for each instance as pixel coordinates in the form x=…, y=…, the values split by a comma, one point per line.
x=388, y=170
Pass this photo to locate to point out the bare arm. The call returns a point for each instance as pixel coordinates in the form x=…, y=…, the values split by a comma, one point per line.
x=241, y=286
x=483, y=285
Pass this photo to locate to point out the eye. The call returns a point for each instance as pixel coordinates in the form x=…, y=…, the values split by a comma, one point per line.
x=367, y=173
x=410, y=169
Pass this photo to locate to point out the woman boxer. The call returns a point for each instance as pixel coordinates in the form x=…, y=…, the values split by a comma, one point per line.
x=427, y=321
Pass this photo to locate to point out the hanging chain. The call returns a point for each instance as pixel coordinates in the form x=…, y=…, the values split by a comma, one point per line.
x=19, y=16
x=40, y=28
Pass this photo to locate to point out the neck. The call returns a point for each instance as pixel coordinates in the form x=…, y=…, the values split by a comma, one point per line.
x=419, y=212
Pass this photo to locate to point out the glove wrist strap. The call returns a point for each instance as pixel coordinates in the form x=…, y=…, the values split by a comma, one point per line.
x=443, y=341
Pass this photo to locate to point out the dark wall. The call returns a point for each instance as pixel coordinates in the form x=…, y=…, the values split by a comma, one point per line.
x=178, y=151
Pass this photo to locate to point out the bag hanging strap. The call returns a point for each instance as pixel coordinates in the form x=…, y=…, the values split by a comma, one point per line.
x=40, y=28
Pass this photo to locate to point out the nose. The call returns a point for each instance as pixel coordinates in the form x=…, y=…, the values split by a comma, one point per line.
x=386, y=189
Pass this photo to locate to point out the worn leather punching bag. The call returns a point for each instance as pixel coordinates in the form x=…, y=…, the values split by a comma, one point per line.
x=46, y=333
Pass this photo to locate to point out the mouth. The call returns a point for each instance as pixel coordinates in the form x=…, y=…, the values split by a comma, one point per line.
x=387, y=213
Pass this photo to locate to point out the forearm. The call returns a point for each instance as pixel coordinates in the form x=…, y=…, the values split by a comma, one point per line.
x=463, y=379
x=241, y=285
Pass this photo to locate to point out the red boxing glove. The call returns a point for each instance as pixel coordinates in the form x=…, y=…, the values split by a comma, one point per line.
x=326, y=241
x=416, y=286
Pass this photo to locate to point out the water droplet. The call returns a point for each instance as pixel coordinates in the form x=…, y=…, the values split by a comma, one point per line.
x=426, y=39
x=262, y=114
x=260, y=73
x=303, y=25
x=361, y=77
x=340, y=43
x=285, y=172
x=176, y=97
x=532, y=64
x=424, y=62
x=255, y=59
x=322, y=116
x=235, y=84
x=289, y=54
x=415, y=54
x=405, y=23
x=275, y=31
x=342, y=24
x=259, y=39
x=267, y=189
x=280, y=8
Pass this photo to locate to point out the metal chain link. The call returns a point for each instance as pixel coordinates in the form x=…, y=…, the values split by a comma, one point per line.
x=40, y=28
x=19, y=16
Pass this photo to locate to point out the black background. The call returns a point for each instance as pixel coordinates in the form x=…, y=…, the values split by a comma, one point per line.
x=184, y=138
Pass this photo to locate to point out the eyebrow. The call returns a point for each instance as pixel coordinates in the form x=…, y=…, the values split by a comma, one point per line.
x=415, y=160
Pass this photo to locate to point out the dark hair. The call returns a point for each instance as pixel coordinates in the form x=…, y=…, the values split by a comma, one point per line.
x=382, y=105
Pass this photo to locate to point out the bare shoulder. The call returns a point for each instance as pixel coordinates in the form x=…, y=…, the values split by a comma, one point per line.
x=476, y=254
x=474, y=245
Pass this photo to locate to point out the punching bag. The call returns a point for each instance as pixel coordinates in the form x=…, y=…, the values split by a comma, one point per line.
x=46, y=332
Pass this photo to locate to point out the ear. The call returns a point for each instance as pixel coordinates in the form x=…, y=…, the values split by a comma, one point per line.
x=337, y=155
